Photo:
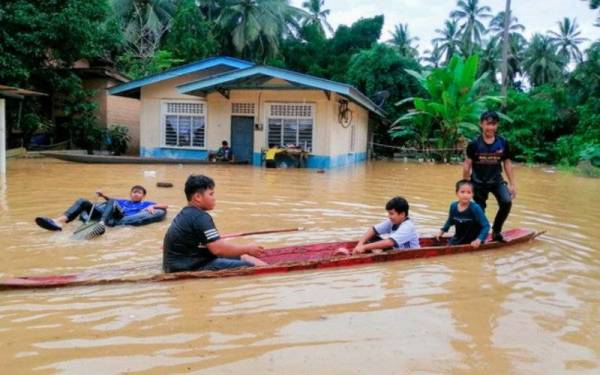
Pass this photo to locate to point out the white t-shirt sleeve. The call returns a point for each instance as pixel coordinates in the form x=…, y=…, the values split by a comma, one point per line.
x=405, y=237
x=384, y=227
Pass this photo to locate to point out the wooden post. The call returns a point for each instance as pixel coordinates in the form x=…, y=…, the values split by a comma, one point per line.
x=2, y=137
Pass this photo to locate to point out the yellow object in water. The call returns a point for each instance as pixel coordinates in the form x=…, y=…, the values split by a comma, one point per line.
x=270, y=155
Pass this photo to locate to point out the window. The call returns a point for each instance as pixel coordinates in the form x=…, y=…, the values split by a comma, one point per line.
x=290, y=124
x=242, y=108
x=184, y=124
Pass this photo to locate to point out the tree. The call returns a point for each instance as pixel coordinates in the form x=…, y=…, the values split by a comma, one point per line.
x=496, y=26
x=433, y=56
x=453, y=104
x=318, y=15
x=567, y=39
x=191, y=36
x=542, y=63
x=490, y=59
x=472, y=28
x=449, y=40
x=402, y=40
x=254, y=27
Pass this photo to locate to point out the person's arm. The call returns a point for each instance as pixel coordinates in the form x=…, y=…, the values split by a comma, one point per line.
x=383, y=244
x=449, y=222
x=512, y=184
x=222, y=248
x=154, y=206
x=467, y=165
x=483, y=221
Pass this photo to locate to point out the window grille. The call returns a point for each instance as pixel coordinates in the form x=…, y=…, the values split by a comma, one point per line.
x=184, y=125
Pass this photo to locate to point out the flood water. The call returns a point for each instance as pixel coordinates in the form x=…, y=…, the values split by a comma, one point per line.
x=529, y=309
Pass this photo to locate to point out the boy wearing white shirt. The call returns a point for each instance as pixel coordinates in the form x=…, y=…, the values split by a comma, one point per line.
x=399, y=227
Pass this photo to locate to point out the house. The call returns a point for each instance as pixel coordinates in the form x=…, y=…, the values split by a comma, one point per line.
x=186, y=112
x=111, y=110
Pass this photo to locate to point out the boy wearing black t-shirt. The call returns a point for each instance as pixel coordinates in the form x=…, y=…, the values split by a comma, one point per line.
x=192, y=242
x=486, y=155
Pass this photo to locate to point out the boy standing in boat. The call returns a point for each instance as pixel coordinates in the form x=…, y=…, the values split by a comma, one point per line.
x=193, y=243
x=398, y=226
x=483, y=167
x=470, y=224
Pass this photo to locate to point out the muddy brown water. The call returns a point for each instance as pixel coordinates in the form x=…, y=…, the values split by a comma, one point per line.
x=529, y=309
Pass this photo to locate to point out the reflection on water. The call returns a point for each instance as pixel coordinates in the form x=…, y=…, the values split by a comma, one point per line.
x=533, y=308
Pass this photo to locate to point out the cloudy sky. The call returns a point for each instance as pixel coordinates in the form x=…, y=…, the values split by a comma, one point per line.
x=424, y=16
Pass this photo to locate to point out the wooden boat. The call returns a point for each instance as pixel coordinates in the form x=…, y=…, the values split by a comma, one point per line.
x=110, y=159
x=283, y=259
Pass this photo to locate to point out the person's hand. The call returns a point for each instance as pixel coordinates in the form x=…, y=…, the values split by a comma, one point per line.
x=438, y=237
x=359, y=249
x=99, y=193
x=151, y=209
x=512, y=189
x=255, y=251
x=475, y=244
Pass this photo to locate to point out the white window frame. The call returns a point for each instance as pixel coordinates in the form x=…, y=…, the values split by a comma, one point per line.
x=163, y=117
x=312, y=117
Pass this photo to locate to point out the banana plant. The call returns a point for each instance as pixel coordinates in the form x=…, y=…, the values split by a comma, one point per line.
x=453, y=106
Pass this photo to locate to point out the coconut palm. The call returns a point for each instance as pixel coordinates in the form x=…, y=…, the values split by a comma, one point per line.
x=490, y=56
x=542, y=62
x=471, y=29
x=434, y=56
x=254, y=27
x=516, y=50
x=317, y=15
x=567, y=39
x=496, y=26
x=402, y=40
x=448, y=42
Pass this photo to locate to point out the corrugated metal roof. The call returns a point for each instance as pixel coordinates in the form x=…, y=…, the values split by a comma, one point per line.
x=132, y=88
x=213, y=82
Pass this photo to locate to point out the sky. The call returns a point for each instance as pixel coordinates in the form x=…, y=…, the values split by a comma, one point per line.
x=424, y=16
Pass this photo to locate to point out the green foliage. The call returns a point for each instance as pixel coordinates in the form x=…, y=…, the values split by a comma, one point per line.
x=453, y=104
x=117, y=138
x=191, y=37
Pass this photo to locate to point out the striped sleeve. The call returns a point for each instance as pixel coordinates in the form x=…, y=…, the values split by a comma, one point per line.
x=205, y=225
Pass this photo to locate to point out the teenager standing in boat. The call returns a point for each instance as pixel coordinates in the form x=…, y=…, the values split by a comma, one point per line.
x=486, y=155
x=193, y=243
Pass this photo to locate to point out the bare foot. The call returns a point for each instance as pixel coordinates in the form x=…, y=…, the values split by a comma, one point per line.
x=255, y=261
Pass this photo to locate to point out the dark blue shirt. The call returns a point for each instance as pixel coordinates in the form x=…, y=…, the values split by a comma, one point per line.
x=129, y=207
x=469, y=224
x=487, y=160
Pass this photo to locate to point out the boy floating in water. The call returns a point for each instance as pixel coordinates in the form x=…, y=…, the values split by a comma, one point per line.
x=132, y=211
x=192, y=242
x=471, y=225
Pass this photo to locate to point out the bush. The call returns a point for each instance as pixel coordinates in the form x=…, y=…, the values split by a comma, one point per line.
x=117, y=139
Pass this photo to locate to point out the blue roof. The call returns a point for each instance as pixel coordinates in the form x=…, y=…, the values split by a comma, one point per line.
x=306, y=80
x=132, y=88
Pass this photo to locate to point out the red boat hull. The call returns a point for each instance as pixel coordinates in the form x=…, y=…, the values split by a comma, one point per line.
x=284, y=259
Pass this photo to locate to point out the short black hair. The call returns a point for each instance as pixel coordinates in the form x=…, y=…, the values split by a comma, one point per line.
x=398, y=204
x=138, y=187
x=461, y=183
x=489, y=116
x=224, y=143
x=197, y=183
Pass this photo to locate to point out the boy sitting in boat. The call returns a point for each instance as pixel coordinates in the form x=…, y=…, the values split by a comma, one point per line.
x=132, y=211
x=398, y=229
x=470, y=224
x=193, y=243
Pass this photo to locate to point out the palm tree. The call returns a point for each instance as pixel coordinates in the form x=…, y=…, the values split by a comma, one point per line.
x=496, y=26
x=318, y=15
x=516, y=50
x=255, y=27
x=434, y=56
x=567, y=39
x=144, y=22
x=542, y=61
x=402, y=40
x=490, y=59
x=472, y=28
x=449, y=41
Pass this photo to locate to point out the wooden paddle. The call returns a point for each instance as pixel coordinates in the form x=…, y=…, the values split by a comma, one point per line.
x=267, y=231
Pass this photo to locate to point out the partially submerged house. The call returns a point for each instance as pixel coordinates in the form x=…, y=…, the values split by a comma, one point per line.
x=186, y=112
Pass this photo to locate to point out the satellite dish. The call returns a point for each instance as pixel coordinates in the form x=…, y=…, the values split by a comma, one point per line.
x=380, y=96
